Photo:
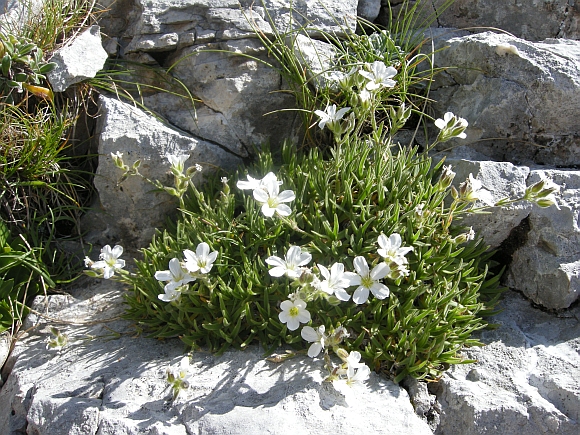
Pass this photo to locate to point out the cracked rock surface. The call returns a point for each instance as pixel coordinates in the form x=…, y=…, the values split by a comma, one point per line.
x=107, y=381
x=526, y=379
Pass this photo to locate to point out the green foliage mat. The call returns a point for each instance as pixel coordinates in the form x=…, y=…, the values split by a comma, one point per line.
x=344, y=201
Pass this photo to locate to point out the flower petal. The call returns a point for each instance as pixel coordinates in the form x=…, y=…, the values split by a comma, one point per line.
x=360, y=295
x=310, y=334
x=282, y=210
x=361, y=266
x=380, y=291
x=341, y=294
x=267, y=210
x=380, y=271
x=163, y=275
x=314, y=349
x=286, y=196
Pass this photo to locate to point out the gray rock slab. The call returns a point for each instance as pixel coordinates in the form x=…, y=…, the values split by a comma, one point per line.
x=128, y=213
x=531, y=20
x=369, y=9
x=81, y=60
x=503, y=180
x=519, y=97
x=239, y=97
x=233, y=19
x=108, y=381
x=547, y=267
x=526, y=379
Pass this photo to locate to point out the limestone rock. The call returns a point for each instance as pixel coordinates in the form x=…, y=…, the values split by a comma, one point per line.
x=369, y=9
x=547, y=267
x=526, y=379
x=503, y=180
x=129, y=212
x=315, y=57
x=13, y=13
x=233, y=19
x=106, y=381
x=531, y=20
x=239, y=96
x=81, y=60
x=520, y=98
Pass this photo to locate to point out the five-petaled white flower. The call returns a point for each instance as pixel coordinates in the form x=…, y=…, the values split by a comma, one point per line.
x=176, y=275
x=390, y=249
x=272, y=199
x=170, y=295
x=294, y=313
x=336, y=280
x=180, y=378
x=330, y=115
x=109, y=261
x=472, y=190
x=451, y=126
x=379, y=76
x=292, y=264
x=356, y=374
x=184, y=371
x=177, y=162
x=257, y=183
x=201, y=260
x=368, y=280
x=315, y=336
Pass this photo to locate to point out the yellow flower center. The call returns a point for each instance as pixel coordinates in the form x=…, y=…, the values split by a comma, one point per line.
x=294, y=311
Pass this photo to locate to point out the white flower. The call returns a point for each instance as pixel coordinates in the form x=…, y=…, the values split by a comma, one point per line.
x=368, y=280
x=316, y=337
x=391, y=249
x=293, y=313
x=198, y=167
x=202, y=260
x=472, y=190
x=271, y=199
x=470, y=234
x=117, y=159
x=336, y=281
x=175, y=275
x=330, y=116
x=170, y=295
x=179, y=379
x=257, y=183
x=291, y=265
x=379, y=76
x=356, y=374
x=446, y=178
x=109, y=261
x=335, y=80
x=184, y=371
x=177, y=162
x=451, y=126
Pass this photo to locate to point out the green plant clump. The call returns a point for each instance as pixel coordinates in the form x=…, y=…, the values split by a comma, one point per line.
x=22, y=66
x=342, y=206
x=45, y=173
x=353, y=238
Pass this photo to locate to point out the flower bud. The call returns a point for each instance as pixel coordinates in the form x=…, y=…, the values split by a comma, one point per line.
x=547, y=201
x=342, y=354
x=446, y=178
x=537, y=187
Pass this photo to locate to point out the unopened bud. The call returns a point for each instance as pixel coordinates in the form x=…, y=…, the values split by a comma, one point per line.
x=547, y=201
x=342, y=354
